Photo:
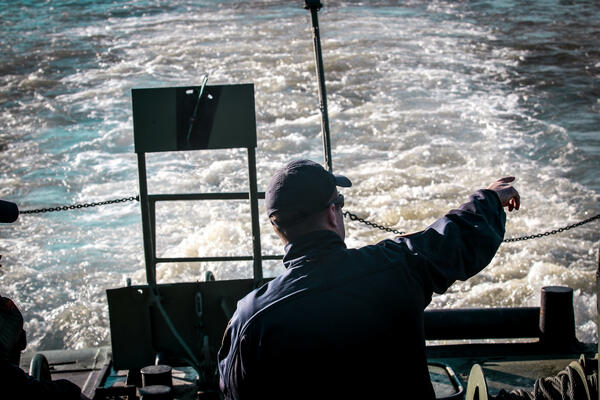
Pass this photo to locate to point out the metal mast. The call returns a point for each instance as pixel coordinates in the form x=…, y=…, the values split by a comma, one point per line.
x=314, y=6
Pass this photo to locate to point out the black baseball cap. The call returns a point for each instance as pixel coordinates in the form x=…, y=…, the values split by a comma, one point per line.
x=303, y=187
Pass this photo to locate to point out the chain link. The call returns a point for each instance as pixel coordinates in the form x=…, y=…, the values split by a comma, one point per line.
x=347, y=214
x=552, y=232
x=354, y=217
x=77, y=206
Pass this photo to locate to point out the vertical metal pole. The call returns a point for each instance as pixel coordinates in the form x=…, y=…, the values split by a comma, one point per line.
x=146, y=224
x=253, y=194
x=598, y=310
x=314, y=7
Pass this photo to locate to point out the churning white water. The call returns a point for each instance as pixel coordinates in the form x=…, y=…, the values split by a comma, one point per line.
x=428, y=101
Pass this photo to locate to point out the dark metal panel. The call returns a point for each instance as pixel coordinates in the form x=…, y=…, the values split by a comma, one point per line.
x=129, y=319
x=154, y=119
x=162, y=118
x=139, y=331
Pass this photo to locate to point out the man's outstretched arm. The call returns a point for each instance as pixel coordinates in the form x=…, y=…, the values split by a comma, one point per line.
x=464, y=241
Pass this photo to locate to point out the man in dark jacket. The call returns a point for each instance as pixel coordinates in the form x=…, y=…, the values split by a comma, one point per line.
x=345, y=323
x=14, y=382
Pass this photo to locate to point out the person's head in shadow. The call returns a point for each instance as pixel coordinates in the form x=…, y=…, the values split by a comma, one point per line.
x=12, y=335
x=13, y=339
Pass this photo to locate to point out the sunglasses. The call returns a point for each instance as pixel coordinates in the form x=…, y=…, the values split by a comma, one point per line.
x=338, y=201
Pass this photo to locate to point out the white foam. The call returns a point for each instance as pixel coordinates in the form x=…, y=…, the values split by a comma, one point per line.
x=421, y=115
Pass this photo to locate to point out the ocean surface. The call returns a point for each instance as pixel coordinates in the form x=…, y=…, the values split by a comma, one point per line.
x=428, y=102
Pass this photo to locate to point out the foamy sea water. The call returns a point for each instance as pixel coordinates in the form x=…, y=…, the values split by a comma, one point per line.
x=427, y=103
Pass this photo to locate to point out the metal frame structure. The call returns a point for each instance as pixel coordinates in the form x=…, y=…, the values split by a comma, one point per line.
x=182, y=119
x=233, y=99
x=148, y=208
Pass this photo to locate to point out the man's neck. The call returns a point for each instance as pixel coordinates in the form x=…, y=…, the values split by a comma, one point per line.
x=312, y=243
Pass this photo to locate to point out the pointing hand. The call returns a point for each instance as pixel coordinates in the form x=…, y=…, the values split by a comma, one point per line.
x=508, y=195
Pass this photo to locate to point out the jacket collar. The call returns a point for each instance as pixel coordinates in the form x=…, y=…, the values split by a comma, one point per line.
x=311, y=246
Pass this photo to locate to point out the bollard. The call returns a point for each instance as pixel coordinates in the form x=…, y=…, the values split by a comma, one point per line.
x=557, y=319
x=156, y=392
x=157, y=375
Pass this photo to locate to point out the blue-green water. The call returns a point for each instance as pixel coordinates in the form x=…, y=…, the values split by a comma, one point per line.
x=428, y=101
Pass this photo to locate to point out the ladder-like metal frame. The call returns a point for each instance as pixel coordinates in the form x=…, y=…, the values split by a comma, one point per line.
x=148, y=207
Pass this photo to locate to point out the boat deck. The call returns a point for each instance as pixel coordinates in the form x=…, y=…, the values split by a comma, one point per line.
x=506, y=366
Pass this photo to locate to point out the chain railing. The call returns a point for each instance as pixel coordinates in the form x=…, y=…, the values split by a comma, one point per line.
x=554, y=231
x=355, y=217
x=347, y=214
x=78, y=206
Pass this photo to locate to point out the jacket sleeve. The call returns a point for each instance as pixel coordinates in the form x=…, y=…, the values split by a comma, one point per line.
x=234, y=381
x=226, y=383
x=460, y=244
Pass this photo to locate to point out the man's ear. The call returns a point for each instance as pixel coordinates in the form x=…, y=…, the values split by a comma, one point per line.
x=331, y=219
x=283, y=238
x=22, y=343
